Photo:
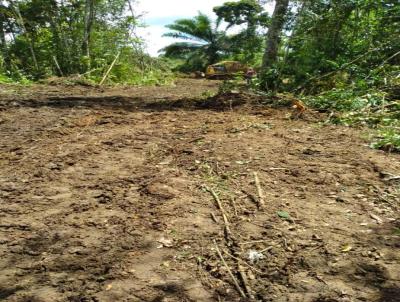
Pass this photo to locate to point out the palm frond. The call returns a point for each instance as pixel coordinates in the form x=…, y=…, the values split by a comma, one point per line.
x=198, y=28
x=180, y=49
x=183, y=36
x=205, y=41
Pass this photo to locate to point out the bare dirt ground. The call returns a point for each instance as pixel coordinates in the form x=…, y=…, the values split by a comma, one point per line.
x=106, y=195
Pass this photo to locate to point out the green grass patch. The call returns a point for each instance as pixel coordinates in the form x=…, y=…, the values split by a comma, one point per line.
x=355, y=108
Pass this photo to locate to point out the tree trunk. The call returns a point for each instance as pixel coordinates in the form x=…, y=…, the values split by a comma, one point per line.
x=20, y=20
x=89, y=16
x=4, y=52
x=62, y=49
x=273, y=40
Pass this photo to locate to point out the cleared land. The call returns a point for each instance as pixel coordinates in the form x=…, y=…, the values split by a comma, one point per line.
x=106, y=195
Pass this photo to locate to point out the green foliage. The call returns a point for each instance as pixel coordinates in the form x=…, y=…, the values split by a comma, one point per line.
x=283, y=214
x=240, y=12
x=41, y=38
x=345, y=48
x=353, y=37
x=249, y=14
x=204, y=43
x=15, y=77
x=346, y=55
x=228, y=86
x=133, y=70
x=355, y=107
x=388, y=140
x=5, y=80
x=346, y=99
x=207, y=94
x=270, y=79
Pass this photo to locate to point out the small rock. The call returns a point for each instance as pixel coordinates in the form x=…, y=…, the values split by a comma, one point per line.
x=255, y=256
x=316, y=237
x=364, y=254
x=161, y=190
x=251, y=275
x=341, y=199
x=108, y=287
x=53, y=166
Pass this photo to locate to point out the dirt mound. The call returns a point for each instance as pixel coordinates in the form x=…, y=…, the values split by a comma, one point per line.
x=226, y=101
x=73, y=80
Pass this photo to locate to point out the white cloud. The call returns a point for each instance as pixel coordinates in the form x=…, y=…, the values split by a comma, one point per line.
x=154, y=39
x=178, y=8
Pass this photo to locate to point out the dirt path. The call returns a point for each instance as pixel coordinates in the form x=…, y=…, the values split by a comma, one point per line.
x=103, y=198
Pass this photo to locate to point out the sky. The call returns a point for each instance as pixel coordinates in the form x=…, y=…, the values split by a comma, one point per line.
x=158, y=13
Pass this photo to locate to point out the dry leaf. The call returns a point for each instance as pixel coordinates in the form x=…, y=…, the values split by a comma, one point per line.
x=108, y=287
x=165, y=242
x=347, y=248
x=165, y=263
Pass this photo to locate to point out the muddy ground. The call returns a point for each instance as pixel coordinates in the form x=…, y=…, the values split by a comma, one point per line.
x=106, y=194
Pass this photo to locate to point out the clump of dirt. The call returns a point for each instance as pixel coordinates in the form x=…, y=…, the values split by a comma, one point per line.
x=107, y=198
x=226, y=101
x=73, y=80
x=221, y=101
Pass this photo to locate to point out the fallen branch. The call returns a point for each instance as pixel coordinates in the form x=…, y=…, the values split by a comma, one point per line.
x=251, y=196
x=388, y=176
x=58, y=66
x=109, y=69
x=253, y=242
x=247, y=264
x=234, y=206
x=221, y=208
x=274, y=169
x=214, y=218
x=260, y=193
x=246, y=285
x=267, y=249
x=383, y=64
x=235, y=282
x=196, y=139
x=376, y=218
x=87, y=72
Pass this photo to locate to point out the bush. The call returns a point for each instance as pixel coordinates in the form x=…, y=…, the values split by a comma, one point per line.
x=388, y=140
x=4, y=79
x=355, y=107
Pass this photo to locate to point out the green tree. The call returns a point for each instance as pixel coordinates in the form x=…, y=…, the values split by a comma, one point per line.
x=205, y=43
x=352, y=37
x=40, y=38
x=250, y=15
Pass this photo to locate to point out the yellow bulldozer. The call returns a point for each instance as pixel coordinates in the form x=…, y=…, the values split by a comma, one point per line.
x=226, y=70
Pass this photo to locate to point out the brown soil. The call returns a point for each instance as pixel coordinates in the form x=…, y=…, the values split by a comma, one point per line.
x=105, y=195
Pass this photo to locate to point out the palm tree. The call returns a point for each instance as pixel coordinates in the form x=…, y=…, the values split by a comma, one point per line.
x=205, y=43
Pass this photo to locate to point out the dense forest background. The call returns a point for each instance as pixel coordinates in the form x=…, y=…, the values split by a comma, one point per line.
x=341, y=55
x=42, y=38
x=359, y=38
